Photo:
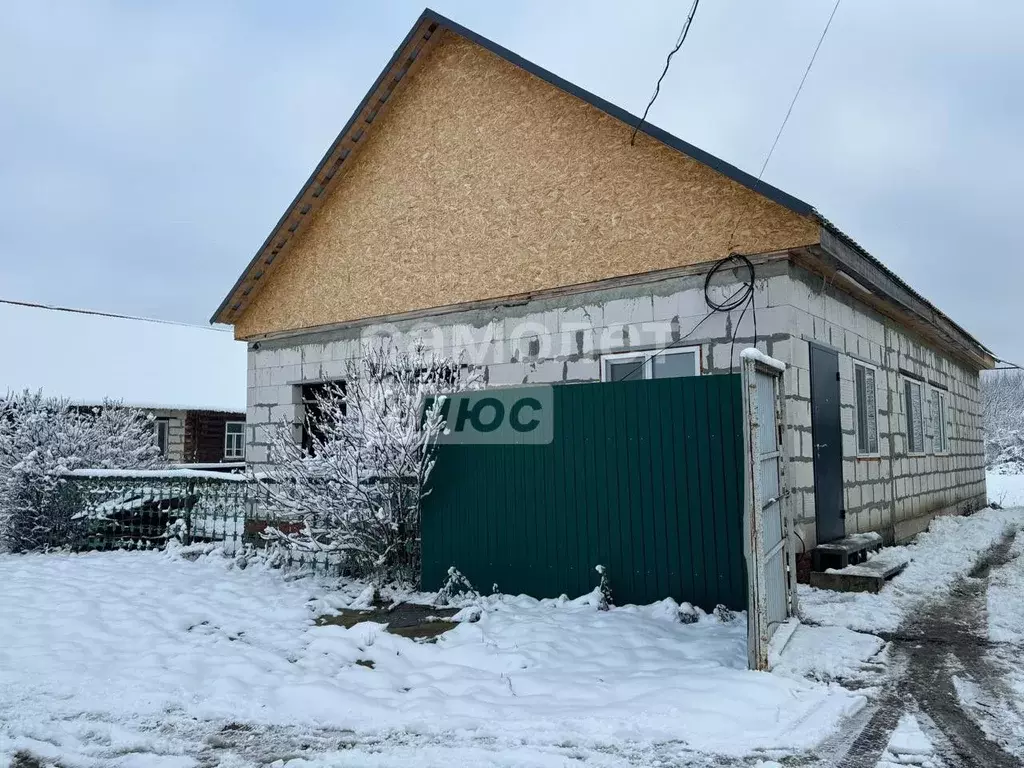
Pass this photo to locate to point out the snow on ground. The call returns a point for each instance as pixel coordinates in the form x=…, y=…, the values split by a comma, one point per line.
x=999, y=709
x=1005, y=613
x=909, y=745
x=1006, y=598
x=947, y=551
x=149, y=659
x=1006, y=490
x=828, y=654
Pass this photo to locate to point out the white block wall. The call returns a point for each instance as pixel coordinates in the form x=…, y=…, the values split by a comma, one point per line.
x=561, y=340
x=175, y=433
x=543, y=341
x=888, y=492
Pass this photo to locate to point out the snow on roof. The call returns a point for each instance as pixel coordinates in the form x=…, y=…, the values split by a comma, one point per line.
x=87, y=358
x=157, y=474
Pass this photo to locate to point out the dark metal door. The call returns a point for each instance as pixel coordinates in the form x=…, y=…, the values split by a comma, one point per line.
x=827, y=435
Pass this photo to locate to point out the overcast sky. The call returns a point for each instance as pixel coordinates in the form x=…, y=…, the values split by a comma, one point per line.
x=150, y=147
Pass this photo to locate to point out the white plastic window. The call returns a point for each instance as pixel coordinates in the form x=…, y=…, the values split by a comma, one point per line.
x=651, y=364
x=234, y=440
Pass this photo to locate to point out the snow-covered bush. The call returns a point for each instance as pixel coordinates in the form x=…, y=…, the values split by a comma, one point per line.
x=1003, y=403
x=41, y=439
x=358, y=482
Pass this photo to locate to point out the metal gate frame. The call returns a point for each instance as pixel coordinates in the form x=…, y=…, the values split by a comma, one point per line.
x=759, y=627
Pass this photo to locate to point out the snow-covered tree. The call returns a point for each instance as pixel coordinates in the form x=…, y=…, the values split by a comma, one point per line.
x=41, y=439
x=358, y=483
x=1003, y=408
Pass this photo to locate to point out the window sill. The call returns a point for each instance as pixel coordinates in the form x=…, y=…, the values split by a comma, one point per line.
x=869, y=457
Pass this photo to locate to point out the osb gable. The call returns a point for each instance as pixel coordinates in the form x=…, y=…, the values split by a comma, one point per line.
x=483, y=181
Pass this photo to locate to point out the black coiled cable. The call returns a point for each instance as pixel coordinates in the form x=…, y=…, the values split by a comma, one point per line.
x=741, y=297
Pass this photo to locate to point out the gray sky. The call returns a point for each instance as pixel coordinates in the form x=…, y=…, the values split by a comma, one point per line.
x=149, y=148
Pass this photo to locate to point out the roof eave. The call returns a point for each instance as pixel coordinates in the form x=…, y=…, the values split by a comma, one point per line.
x=868, y=270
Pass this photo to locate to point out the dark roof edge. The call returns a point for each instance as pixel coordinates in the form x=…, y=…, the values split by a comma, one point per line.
x=430, y=16
x=323, y=161
x=784, y=199
x=840, y=245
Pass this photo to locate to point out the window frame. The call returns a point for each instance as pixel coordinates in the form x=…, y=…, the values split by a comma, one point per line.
x=940, y=448
x=308, y=405
x=228, y=454
x=165, y=422
x=647, y=356
x=917, y=450
x=868, y=454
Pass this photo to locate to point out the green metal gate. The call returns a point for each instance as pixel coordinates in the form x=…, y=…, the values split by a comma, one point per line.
x=642, y=477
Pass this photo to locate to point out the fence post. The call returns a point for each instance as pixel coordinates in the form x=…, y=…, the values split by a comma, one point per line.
x=753, y=525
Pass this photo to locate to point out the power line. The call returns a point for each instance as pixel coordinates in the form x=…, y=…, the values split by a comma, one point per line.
x=1008, y=366
x=668, y=60
x=97, y=313
x=743, y=296
x=799, y=89
x=792, y=104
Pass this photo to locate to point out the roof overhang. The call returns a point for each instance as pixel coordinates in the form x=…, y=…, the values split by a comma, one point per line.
x=869, y=280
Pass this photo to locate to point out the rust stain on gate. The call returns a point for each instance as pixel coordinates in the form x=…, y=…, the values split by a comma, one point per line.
x=642, y=477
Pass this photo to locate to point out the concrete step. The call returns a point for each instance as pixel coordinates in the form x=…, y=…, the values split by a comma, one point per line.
x=868, y=576
x=846, y=551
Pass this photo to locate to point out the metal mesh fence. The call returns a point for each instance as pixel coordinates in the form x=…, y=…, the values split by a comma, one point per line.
x=147, y=510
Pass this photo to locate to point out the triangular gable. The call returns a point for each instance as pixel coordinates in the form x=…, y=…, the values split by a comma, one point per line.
x=709, y=182
x=344, y=153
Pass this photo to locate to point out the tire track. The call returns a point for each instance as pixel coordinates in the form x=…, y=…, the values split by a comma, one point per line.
x=945, y=639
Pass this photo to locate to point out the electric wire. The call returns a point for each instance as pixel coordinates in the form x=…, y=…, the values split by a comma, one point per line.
x=799, y=89
x=668, y=61
x=744, y=298
x=98, y=313
x=734, y=254
x=1007, y=365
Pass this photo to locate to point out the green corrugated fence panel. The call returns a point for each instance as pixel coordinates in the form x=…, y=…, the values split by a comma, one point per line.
x=642, y=477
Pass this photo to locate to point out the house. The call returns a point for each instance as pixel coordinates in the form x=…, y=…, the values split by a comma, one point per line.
x=197, y=435
x=480, y=203
x=190, y=379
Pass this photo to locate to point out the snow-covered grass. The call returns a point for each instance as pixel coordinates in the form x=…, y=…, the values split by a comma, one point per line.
x=146, y=658
x=947, y=551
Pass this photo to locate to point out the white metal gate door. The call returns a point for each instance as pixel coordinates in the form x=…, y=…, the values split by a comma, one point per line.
x=769, y=457
x=770, y=572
